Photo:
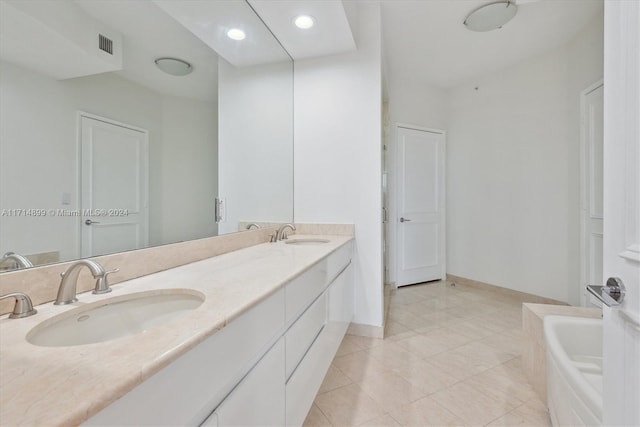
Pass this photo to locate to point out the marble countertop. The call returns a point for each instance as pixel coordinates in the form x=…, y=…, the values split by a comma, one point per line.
x=68, y=385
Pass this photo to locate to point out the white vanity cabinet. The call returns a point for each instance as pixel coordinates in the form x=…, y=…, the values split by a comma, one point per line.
x=259, y=398
x=305, y=380
x=264, y=368
x=188, y=390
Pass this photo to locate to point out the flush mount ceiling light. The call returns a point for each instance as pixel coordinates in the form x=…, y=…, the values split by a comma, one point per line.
x=304, y=22
x=491, y=16
x=174, y=66
x=236, y=34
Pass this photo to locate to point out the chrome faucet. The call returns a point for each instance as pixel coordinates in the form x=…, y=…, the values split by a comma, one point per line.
x=282, y=231
x=23, y=307
x=253, y=225
x=19, y=261
x=68, y=284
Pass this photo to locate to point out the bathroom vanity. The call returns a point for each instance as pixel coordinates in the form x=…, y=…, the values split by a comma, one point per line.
x=255, y=351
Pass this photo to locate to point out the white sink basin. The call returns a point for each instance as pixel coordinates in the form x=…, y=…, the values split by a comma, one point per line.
x=115, y=318
x=306, y=241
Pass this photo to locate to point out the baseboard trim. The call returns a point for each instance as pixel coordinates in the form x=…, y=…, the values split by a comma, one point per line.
x=362, y=330
x=523, y=296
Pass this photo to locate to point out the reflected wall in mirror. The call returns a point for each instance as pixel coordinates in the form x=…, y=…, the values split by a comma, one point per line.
x=101, y=151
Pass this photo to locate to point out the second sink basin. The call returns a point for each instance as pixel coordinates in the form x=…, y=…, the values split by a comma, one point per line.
x=115, y=318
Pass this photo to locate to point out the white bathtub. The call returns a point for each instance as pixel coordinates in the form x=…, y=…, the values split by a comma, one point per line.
x=574, y=370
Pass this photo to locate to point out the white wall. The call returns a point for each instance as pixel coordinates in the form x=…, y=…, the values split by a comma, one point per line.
x=256, y=131
x=508, y=190
x=35, y=162
x=417, y=103
x=513, y=171
x=38, y=150
x=338, y=110
x=189, y=170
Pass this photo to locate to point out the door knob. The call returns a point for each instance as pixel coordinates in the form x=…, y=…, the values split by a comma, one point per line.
x=404, y=220
x=89, y=222
x=612, y=294
x=615, y=289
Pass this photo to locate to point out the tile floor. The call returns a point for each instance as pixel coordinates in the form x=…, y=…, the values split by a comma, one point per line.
x=451, y=356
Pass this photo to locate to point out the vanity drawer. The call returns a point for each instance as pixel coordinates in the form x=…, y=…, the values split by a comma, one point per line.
x=301, y=334
x=306, y=379
x=303, y=385
x=301, y=291
x=337, y=261
x=259, y=399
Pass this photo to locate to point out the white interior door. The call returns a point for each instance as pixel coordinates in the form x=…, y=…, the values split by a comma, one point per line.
x=420, y=206
x=114, y=187
x=621, y=364
x=592, y=192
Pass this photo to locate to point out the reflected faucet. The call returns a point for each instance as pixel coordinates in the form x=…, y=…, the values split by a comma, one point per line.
x=17, y=261
x=282, y=231
x=69, y=282
x=253, y=225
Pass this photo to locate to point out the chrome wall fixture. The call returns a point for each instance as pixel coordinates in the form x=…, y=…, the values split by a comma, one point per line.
x=612, y=294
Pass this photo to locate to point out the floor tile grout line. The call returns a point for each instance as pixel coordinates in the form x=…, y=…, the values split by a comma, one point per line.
x=505, y=330
x=323, y=414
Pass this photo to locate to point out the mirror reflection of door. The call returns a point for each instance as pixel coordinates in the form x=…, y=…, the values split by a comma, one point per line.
x=114, y=186
x=592, y=190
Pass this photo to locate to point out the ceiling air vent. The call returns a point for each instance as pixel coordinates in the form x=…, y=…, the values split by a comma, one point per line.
x=105, y=44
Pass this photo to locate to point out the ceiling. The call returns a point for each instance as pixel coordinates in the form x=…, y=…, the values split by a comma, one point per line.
x=211, y=20
x=425, y=40
x=331, y=34
x=149, y=33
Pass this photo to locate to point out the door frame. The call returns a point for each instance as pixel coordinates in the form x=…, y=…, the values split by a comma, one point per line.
x=79, y=115
x=585, y=300
x=396, y=197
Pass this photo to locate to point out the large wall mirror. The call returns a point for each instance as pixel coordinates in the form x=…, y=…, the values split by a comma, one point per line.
x=122, y=122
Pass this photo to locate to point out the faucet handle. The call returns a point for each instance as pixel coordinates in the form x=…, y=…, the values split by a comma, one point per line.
x=23, y=307
x=102, y=283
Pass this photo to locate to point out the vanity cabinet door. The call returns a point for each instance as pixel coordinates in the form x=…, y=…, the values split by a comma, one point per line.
x=258, y=400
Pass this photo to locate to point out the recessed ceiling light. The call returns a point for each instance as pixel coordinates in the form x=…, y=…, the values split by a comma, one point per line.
x=174, y=66
x=236, y=34
x=304, y=22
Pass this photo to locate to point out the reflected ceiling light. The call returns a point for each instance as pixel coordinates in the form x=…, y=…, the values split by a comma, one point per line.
x=174, y=66
x=304, y=22
x=236, y=34
x=491, y=16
